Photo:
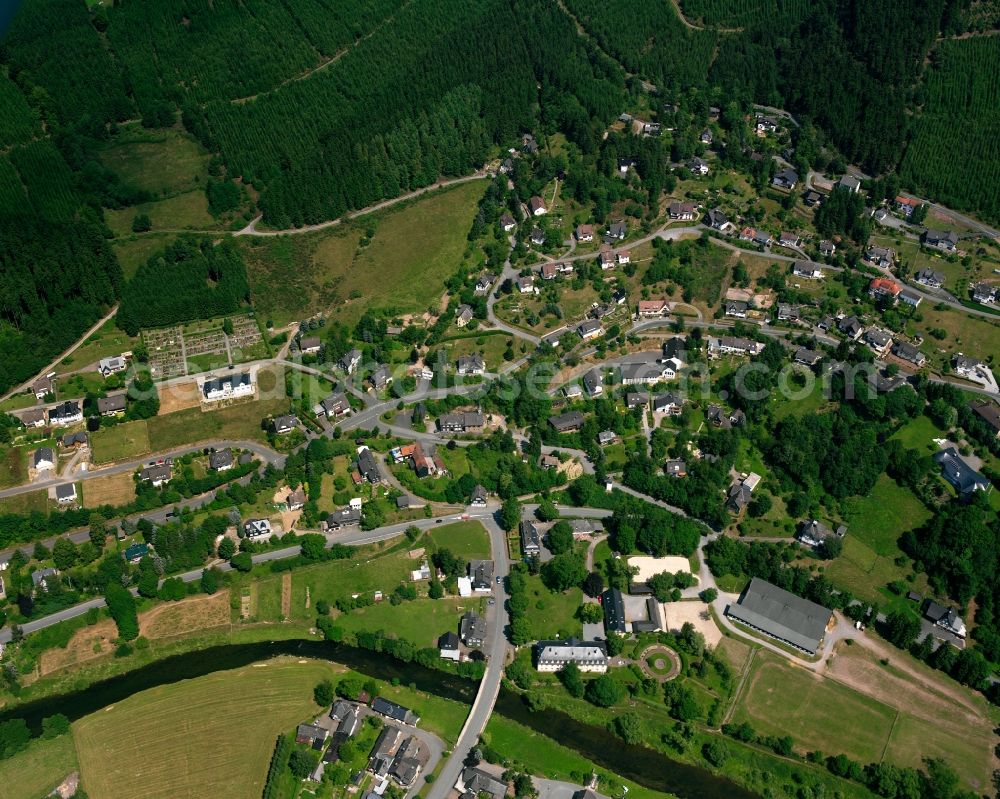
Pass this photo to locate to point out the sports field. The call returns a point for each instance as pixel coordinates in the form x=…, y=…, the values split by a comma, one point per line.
x=212, y=736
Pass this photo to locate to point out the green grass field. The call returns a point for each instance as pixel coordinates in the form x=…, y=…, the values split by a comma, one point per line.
x=211, y=736
x=879, y=519
x=553, y=615
x=192, y=425
x=163, y=162
x=121, y=442
x=25, y=503
x=38, y=769
x=465, y=539
x=422, y=621
x=415, y=248
x=106, y=341
x=919, y=434
x=182, y=211
x=817, y=713
x=542, y=755
x=865, y=573
x=134, y=251
x=13, y=466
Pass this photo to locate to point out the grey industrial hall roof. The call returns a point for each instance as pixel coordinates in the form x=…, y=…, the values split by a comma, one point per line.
x=782, y=614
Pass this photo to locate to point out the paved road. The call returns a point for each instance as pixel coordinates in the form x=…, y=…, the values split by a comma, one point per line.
x=251, y=229
x=79, y=342
x=353, y=537
x=495, y=649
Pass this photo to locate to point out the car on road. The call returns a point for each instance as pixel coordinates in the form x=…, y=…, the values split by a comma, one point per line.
x=499, y=579
x=439, y=521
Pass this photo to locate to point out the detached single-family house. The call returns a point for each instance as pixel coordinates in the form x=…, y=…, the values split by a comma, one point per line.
x=812, y=198
x=548, y=271
x=670, y=403
x=283, y=424
x=41, y=578
x=647, y=374
x=569, y=422
x=483, y=284
x=807, y=269
x=945, y=618
x=968, y=367
x=788, y=312
x=74, y=440
x=850, y=183
x=537, y=206
x=470, y=365
x=717, y=220
x=807, y=357
x=675, y=467
x=706, y=136
x=472, y=629
x=335, y=405
x=42, y=387
x=636, y=399
x=930, y=277
x=66, y=493
x=623, y=256
x=368, y=470
x=589, y=329
x=478, y=498
x=984, y=293
x=606, y=257
x=593, y=383
x=851, y=327
x=221, y=460
x=113, y=405
x=350, y=361
x=463, y=315
x=344, y=517
x=537, y=236
x=766, y=125
x=584, y=233
x=737, y=308
x=296, y=500
x=946, y=241
x=882, y=257
x=606, y=437
x=526, y=285
x=904, y=350
x=910, y=297
x=507, y=223
x=786, y=239
x=65, y=413
x=135, y=552
x=906, y=205
x=741, y=492
x=395, y=712
x=878, y=340
x=652, y=308
x=310, y=345
x=813, y=533
x=157, y=474
x=448, y=646
x=113, y=365
x=883, y=288
x=683, y=212
x=957, y=471
x=989, y=412
x=257, y=528
x=380, y=378
x=43, y=459
x=35, y=417
x=785, y=179
x=617, y=230
x=698, y=166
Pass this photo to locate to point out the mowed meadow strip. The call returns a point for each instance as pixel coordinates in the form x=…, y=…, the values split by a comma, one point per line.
x=211, y=736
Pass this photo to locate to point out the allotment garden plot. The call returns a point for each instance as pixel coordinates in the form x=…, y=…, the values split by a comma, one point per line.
x=200, y=346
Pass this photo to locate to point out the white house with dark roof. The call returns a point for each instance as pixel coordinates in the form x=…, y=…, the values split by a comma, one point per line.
x=217, y=389
x=589, y=656
x=43, y=459
x=66, y=413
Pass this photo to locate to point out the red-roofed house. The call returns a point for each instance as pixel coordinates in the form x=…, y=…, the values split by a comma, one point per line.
x=883, y=287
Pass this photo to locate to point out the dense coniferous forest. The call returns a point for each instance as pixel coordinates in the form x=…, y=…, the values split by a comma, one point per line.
x=204, y=280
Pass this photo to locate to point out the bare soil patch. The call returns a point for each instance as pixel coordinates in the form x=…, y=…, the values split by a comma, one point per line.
x=86, y=644
x=178, y=618
x=112, y=489
x=179, y=397
x=286, y=595
x=679, y=613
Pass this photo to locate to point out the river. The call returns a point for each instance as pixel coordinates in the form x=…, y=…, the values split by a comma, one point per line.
x=636, y=763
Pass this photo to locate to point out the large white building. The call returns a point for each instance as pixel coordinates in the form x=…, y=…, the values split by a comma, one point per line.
x=590, y=656
x=229, y=387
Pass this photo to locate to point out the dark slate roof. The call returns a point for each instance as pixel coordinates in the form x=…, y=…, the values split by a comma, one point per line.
x=614, y=611
x=782, y=614
x=220, y=459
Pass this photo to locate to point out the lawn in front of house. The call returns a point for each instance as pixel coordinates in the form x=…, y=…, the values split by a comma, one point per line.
x=466, y=539
x=553, y=615
x=919, y=433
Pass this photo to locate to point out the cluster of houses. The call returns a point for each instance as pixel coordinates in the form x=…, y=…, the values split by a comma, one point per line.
x=397, y=756
x=471, y=633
